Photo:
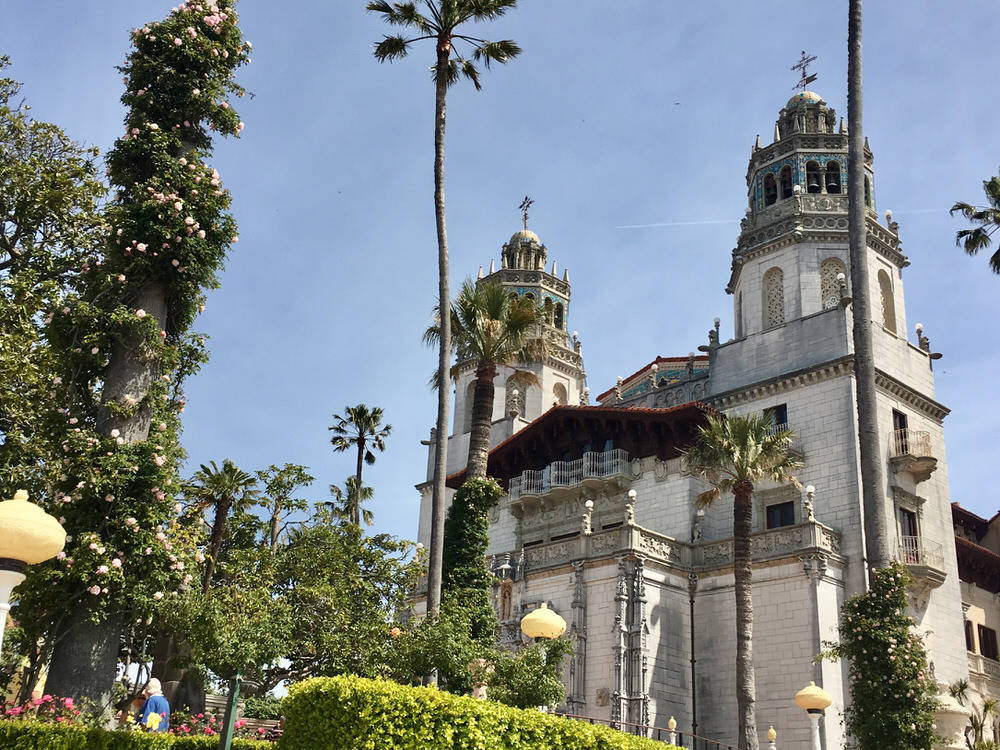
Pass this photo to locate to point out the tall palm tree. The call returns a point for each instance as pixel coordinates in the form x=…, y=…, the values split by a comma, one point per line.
x=988, y=218
x=344, y=499
x=493, y=328
x=440, y=22
x=225, y=490
x=876, y=543
x=734, y=455
x=363, y=430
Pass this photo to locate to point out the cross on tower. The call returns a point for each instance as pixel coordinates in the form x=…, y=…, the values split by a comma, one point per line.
x=802, y=65
x=525, y=205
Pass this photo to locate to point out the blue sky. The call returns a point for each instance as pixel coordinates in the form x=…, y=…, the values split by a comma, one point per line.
x=617, y=114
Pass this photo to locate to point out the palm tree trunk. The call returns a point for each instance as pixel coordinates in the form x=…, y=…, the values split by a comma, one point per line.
x=444, y=353
x=482, y=416
x=215, y=540
x=864, y=362
x=85, y=659
x=356, y=500
x=746, y=691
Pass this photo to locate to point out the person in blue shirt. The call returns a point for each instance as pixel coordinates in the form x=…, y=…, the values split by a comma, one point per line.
x=155, y=715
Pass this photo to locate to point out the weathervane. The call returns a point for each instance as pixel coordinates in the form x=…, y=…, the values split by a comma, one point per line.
x=525, y=205
x=802, y=65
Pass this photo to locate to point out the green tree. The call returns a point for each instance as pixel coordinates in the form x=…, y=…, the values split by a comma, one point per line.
x=873, y=500
x=467, y=580
x=223, y=491
x=126, y=338
x=530, y=677
x=988, y=219
x=733, y=455
x=492, y=328
x=440, y=22
x=892, y=693
x=279, y=486
x=349, y=499
x=362, y=430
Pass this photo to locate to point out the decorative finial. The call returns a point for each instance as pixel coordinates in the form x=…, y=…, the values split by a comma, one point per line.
x=777, y=133
x=525, y=205
x=802, y=66
x=493, y=266
x=757, y=146
x=480, y=273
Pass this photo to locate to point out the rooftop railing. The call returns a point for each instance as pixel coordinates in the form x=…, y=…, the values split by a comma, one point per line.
x=593, y=464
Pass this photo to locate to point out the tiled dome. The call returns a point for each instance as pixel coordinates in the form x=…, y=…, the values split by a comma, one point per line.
x=804, y=97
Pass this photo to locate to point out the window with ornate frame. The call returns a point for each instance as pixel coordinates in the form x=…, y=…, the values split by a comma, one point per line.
x=774, y=298
x=828, y=282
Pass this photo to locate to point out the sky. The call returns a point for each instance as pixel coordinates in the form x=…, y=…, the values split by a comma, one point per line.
x=630, y=124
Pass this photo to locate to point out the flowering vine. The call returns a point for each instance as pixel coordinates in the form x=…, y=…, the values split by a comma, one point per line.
x=892, y=693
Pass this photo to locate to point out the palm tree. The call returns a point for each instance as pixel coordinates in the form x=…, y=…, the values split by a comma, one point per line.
x=492, y=328
x=343, y=506
x=988, y=218
x=873, y=503
x=225, y=489
x=734, y=455
x=440, y=22
x=362, y=429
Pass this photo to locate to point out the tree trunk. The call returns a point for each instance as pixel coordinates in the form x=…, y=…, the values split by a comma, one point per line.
x=482, y=416
x=215, y=540
x=275, y=525
x=444, y=352
x=746, y=691
x=85, y=659
x=864, y=363
x=356, y=500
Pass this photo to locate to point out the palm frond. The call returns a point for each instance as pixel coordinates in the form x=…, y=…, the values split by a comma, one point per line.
x=484, y=10
x=502, y=51
x=401, y=14
x=391, y=48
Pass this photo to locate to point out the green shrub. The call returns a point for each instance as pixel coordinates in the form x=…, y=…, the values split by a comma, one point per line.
x=33, y=735
x=351, y=713
x=262, y=707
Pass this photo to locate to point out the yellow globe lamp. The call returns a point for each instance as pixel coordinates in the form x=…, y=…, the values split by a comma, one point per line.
x=814, y=701
x=543, y=623
x=28, y=535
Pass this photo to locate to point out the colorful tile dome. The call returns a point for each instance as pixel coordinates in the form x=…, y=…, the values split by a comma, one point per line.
x=804, y=97
x=525, y=235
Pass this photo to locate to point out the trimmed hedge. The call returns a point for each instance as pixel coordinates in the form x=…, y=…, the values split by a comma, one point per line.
x=351, y=713
x=34, y=735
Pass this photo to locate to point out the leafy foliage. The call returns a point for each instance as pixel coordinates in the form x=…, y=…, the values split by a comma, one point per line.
x=466, y=580
x=988, y=219
x=32, y=734
x=530, y=677
x=892, y=696
x=351, y=713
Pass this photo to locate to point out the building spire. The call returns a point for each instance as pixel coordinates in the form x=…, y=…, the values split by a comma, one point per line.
x=803, y=65
x=525, y=205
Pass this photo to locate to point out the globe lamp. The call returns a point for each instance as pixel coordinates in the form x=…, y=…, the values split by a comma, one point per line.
x=28, y=535
x=543, y=623
x=813, y=700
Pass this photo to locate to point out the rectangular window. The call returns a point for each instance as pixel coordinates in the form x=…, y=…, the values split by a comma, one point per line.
x=778, y=415
x=970, y=638
x=570, y=535
x=615, y=525
x=781, y=514
x=988, y=642
x=535, y=543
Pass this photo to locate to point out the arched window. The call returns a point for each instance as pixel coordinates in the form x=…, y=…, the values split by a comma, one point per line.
x=514, y=402
x=785, y=179
x=774, y=298
x=470, y=396
x=832, y=177
x=506, y=596
x=770, y=190
x=529, y=295
x=559, y=394
x=888, y=302
x=828, y=283
x=868, y=192
x=548, y=310
x=813, y=184
x=558, y=316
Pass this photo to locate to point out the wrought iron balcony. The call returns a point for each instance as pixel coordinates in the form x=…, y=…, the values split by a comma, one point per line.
x=911, y=453
x=925, y=559
x=597, y=465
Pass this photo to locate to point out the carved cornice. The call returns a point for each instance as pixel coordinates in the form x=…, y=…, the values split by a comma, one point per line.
x=523, y=276
x=917, y=400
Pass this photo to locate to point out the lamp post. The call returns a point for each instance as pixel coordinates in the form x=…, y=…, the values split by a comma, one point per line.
x=28, y=536
x=543, y=623
x=814, y=701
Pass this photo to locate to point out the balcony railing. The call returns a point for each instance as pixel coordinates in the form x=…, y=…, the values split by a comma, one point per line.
x=776, y=428
x=593, y=464
x=913, y=550
x=983, y=665
x=907, y=442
